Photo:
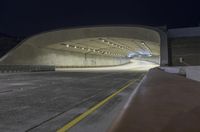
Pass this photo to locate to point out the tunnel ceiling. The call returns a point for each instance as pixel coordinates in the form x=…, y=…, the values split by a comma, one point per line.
x=109, y=41
x=108, y=46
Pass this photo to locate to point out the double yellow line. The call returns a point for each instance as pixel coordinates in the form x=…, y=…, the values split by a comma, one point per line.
x=94, y=108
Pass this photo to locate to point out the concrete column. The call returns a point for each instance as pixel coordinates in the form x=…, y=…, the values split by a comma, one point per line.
x=164, y=60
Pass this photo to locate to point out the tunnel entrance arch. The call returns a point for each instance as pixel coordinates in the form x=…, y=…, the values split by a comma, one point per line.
x=89, y=46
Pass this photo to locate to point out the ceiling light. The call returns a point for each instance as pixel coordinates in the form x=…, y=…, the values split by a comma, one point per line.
x=67, y=45
x=75, y=47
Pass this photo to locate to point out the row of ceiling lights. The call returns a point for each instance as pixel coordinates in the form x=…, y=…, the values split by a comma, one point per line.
x=124, y=47
x=114, y=44
x=91, y=50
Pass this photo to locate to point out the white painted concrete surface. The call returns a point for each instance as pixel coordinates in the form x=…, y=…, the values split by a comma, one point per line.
x=191, y=72
x=175, y=70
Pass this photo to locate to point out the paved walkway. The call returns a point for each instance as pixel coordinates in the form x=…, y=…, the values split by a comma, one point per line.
x=164, y=102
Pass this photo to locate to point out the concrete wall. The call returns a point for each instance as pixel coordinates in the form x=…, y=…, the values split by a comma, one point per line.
x=184, y=32
x=184, y=46
x=187, y=48
x=30, y=55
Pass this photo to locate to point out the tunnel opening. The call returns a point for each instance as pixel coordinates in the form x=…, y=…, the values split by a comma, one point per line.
x=99, y=46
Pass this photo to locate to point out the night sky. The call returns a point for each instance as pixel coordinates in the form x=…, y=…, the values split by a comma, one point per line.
x=28, y=17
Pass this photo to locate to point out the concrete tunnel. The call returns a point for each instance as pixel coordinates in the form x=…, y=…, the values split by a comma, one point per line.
x=90, y=46
x=105, y=101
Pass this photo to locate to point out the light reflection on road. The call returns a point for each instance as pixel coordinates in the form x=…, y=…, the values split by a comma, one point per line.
x=135, y=65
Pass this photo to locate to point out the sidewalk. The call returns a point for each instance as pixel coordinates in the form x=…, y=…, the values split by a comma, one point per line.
x=164, y=102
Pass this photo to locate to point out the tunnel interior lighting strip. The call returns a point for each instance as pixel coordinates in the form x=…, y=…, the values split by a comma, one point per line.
x=147, y=47
x=92, y=50
x=115, y=44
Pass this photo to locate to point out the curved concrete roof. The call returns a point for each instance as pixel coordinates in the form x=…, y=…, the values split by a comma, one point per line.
x=133, y=38
x=116, y=41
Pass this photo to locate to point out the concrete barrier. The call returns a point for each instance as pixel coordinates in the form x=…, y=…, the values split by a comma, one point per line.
x=25, y=68
x=191, y=72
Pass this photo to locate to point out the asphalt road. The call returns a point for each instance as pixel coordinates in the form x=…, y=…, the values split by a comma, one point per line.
x=47, y=101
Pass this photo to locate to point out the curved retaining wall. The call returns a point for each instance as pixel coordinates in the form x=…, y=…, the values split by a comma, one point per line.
x=30, y=55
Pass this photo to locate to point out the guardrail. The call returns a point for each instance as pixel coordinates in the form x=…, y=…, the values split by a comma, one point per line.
x=25, y=68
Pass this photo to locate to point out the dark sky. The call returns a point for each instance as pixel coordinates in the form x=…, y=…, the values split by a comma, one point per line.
x=27, y=17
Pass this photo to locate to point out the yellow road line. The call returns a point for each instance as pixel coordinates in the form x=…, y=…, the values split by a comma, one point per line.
x=94, y=108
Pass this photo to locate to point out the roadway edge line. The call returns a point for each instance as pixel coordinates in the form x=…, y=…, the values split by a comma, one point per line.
x=117, y=120
x=94, y=108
